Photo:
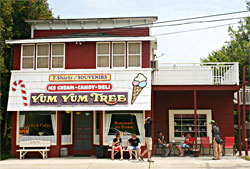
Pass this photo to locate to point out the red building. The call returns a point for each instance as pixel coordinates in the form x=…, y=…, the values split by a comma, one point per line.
x=76, y=82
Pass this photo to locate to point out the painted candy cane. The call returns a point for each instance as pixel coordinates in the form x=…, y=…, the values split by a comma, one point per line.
x=23, y=90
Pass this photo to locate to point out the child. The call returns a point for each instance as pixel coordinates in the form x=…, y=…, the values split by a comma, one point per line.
x=117, y=145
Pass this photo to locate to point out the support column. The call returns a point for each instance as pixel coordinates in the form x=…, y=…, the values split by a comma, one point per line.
x=59, y=133
x=153, y=118
x=195, y=117
x=244, y=110
x=101, y=128
x=239, y=120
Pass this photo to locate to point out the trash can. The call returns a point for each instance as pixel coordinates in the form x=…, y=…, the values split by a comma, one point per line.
x=63, y=152
x=100, y=151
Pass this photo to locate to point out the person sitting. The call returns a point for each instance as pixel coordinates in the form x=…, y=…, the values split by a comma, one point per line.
x=117, y=146
x=134, y=144
x=163, y=143
x=188, y=143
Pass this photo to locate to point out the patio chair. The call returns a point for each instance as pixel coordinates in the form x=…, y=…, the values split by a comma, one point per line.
x=229, y=144
x=205, y=144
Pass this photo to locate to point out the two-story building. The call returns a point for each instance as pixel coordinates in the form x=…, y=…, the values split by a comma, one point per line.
x=76, y=82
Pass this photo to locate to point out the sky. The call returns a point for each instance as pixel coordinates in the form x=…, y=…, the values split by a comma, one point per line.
x=187, y=47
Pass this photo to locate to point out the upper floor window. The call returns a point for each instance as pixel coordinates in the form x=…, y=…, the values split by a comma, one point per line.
x=119, y=53
x=57, y=55
x=103, y=53
x=42, y=56
x=28, y=54
x=134, y=54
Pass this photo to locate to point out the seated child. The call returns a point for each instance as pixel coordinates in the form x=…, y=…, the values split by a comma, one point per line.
x=117, y=145
x=134, y=144
x=163, y=143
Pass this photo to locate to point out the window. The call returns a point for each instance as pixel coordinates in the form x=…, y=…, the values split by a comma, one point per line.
x=28, y=54
x=57, y=56
x=40, y=126
x=119, y=54
x=182, y=122
x=134, y=54
x=43, y=56
x=103, y=53
x=66, y=127
x=125, y=122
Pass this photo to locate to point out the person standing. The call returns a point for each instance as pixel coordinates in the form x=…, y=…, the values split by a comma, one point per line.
x=148, y=139
x=216, y=140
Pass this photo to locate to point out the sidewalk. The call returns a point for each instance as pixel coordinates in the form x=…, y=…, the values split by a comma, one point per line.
x=93, y=163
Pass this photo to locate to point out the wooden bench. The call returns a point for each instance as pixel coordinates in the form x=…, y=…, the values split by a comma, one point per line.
x=134, y=152
x=34, y=146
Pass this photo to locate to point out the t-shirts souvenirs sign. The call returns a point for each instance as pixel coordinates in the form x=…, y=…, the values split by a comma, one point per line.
x=115, y=90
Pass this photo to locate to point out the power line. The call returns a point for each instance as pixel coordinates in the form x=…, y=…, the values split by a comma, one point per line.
x=191, y=30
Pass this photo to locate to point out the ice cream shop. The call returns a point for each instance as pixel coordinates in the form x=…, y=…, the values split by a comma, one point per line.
x=77, y=82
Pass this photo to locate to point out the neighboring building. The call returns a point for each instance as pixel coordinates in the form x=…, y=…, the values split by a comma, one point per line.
x=77, y=82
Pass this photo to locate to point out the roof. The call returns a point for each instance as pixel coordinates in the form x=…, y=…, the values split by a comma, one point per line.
x=92, y=19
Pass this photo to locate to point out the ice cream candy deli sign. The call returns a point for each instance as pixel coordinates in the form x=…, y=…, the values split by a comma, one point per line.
x=81, y=89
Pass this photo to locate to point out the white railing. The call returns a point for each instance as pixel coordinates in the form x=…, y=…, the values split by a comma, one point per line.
x=221, y=73
x=241, y=96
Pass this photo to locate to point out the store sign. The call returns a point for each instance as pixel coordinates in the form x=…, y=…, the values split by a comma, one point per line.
x=110, y=98
x=79, y=87
x=124, y=125
x=24, y=130
x=79, y=77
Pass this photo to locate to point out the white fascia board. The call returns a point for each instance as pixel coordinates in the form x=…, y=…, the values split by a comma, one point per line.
x=138, y=38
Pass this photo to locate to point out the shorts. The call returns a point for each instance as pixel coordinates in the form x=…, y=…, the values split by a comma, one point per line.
x=184, y=145
x=132, y=147
x=117, y=148
x=148, y=141
x=164, y=145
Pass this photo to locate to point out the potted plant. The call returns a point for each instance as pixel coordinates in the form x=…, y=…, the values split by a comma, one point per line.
x=196, y=152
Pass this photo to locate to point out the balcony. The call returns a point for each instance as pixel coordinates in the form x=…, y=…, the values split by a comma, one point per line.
x=196, y=74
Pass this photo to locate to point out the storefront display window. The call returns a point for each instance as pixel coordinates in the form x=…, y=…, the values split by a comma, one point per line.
x=125, y=122
x=66, y=127
x=37, y=126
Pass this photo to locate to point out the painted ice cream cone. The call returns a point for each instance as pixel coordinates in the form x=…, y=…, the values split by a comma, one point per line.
x=139, y=83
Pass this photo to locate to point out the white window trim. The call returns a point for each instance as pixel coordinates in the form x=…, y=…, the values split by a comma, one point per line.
x=42, y=56
x=208, y=113
x=71, y=129
x=119, y=55
x=17, y=130
x=94, y=130
x=21, y=66
x=104, y=124
x=51, y=57
x=134, y=67
x=102, y=55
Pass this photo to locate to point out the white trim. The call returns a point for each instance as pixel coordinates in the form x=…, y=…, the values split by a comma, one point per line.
x=71, y=128
x=51, y=57
x=17, y=130
x=208, y=113
x=101, y=39
x=102, y=55
x=42, y=56
x=117, y=55
x=94, y=129
x=21, y=66
x=134, y=55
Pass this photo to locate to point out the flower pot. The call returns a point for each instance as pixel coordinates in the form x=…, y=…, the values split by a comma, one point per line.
x=196, y=153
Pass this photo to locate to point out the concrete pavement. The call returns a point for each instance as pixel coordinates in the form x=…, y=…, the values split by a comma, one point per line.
x=93, y=163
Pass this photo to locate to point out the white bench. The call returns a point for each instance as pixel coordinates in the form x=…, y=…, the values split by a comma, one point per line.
x=134, y=152
x=34, y=146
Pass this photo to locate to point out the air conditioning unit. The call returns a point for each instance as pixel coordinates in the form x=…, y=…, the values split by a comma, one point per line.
x=154, y=64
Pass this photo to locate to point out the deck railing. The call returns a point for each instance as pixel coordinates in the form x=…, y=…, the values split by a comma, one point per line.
x=196, y=74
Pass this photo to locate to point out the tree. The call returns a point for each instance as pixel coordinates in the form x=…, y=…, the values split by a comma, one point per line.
x=237, y=49
x=12, y=26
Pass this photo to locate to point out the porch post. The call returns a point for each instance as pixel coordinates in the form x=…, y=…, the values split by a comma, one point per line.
x=195, y=117
x=239, y=120
x=244, y=110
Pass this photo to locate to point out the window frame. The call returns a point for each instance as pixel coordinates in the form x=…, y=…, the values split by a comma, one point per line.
x=102, y=55
x=94, y=129
x=51, y=57
x=21, y=66
x=42, y=56
x=134, y=67
x=125, y=55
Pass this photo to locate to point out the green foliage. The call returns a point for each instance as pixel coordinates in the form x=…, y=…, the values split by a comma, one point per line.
x=12, y=26
x=237, y=49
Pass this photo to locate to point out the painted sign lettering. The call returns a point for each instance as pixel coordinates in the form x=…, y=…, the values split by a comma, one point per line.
x=79, y=77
